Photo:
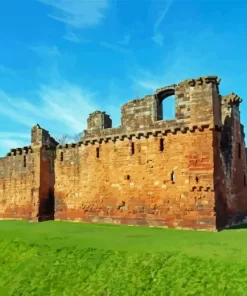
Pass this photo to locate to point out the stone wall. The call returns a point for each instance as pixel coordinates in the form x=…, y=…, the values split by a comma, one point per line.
x=27, y=179
x=158, y=179
x=19, y=184
x=189, y=172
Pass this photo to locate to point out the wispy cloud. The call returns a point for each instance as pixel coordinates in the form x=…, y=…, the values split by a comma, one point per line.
x=176, y=66
x=158, y=37
x=7, y=71
x=45, y=50
x=75, y=38
x=116, y=48
x=10, y=140
x=64, y=107
x=77, y=13
x=126, y=40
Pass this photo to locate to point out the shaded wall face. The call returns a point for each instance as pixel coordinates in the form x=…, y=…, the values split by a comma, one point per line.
x=133, y=182
x=19, y=188
x=47, y=180
x=230, y=166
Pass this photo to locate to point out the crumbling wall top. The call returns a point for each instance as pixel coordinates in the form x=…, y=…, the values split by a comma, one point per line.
x=41, y=137
x=201, y=80
x=232, y=99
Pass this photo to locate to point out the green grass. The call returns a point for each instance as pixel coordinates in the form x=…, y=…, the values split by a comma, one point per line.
x=62, y=258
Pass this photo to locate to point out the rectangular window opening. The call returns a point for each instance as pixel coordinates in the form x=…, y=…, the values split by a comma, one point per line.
x=132, y=148
x=173, y=177
x=97, y=152
x=61, y=156
x=161, y=145
x=25, y=161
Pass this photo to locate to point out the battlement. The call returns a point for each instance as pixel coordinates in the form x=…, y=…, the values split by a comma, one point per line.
x=173, y=129
x=20, y=151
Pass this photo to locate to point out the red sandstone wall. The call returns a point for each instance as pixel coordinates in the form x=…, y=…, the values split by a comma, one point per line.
x=18, y=186
x=137, y=189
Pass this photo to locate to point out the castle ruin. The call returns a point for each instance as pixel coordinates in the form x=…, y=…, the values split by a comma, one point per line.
x=189, y=172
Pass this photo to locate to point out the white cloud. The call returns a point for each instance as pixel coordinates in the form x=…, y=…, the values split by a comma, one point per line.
x=158, y=37
x=77, y=13
x=62, y=109
x=75, y=38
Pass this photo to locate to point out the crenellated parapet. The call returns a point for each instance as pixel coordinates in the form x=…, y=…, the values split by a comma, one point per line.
x=20, y=151
x=174, y=130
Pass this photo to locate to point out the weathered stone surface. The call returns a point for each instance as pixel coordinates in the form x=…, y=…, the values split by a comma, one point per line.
x=189, y=172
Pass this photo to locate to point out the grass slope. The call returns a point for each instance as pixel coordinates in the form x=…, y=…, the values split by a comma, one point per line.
x=62, y=258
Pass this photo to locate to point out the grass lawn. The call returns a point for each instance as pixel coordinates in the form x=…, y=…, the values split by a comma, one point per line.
x=75, y=259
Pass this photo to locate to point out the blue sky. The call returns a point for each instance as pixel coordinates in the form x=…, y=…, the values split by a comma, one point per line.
x=62, y=59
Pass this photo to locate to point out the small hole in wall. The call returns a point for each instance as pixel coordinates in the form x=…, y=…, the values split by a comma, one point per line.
x=244, y=180
x=161, y=145
x=25, y=161
x=61, y=156
x=172, y=176
x=128, y=177
x=197, y=179
x=97, y=152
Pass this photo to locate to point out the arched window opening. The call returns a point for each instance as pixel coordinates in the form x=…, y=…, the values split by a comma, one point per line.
x=166, y=103
x=168, y=108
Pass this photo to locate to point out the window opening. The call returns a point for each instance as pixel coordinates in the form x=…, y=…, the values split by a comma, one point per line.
x=25, y=161
x=61, y=156
x=132, y=148
x=97, y=152
x=161, y=145
x=173, y=176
